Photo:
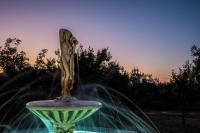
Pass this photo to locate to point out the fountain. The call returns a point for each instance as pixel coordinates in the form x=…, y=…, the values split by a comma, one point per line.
x=118, y=115
x=61, y=114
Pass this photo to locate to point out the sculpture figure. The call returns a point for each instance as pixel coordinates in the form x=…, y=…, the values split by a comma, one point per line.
x=67, y=45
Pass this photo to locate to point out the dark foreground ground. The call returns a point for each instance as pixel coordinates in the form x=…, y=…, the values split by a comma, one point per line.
x=170, y=122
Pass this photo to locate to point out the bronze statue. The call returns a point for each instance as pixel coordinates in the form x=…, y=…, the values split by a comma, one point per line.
x=67, y=44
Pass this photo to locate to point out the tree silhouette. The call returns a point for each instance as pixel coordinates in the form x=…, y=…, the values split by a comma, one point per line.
x=12, y=60
x=92, y=64
x=40, y=61
x=43, y=63
x=196, y=67
x=187, y=80
x=183, y=82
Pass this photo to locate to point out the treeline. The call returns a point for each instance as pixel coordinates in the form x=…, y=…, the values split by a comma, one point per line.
x=23, y=82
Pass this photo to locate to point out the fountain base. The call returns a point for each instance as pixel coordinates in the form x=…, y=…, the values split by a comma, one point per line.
x=61, y=115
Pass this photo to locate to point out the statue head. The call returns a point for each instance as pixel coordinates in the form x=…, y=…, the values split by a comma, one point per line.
x=67, y=37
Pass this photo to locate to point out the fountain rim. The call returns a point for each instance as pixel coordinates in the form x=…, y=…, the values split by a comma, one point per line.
x=77, y=104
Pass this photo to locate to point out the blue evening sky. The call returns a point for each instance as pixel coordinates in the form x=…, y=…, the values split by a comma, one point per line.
x=153, y=35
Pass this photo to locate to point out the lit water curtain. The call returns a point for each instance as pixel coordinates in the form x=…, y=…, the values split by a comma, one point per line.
x=14, y=93
x=114, y=116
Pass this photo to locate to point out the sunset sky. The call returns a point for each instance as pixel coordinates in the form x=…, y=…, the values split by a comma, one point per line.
x=152, y=35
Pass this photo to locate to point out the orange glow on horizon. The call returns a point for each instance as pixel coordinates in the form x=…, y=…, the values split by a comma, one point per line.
x=163, y=77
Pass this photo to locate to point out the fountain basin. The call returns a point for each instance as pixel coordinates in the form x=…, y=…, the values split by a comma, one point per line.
x=60, y=116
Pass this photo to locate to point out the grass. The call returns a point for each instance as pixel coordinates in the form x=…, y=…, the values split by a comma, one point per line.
x=170, y=122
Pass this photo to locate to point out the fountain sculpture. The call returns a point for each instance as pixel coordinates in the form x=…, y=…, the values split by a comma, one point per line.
x=61, y=114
